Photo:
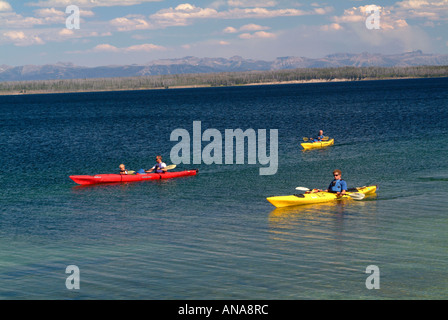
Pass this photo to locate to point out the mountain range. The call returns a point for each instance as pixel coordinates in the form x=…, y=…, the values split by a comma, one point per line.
x=62, y=70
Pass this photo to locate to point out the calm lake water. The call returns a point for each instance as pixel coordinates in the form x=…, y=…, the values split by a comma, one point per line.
x=214, y=236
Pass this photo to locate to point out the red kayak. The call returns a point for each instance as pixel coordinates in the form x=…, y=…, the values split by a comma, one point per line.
x=111, y=178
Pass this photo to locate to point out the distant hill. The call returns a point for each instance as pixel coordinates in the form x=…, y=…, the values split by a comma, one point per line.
x=188, y=65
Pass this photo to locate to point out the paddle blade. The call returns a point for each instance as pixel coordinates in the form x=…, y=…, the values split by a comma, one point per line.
x=306, y=139
x=170, y=167
x=357, y=196
x=302, y=189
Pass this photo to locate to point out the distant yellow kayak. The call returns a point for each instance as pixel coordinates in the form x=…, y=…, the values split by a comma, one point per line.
x=317, y=197
x=317, y=145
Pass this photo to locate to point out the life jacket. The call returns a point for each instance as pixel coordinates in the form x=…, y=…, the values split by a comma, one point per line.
x=336, y=185
x=158, y=167
x=318, y=139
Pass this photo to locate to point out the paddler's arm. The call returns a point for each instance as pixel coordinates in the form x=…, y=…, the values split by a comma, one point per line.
x=344, y=189
x=314, y=191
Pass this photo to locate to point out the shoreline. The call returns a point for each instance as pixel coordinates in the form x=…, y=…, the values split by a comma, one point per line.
x=37, y=92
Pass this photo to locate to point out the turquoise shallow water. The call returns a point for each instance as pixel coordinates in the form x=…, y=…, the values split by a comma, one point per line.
x=214, y=236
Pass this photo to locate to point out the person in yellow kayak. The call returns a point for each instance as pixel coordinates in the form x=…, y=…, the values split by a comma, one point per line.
x=319, y=138
x=338, y=185
x=159, y=167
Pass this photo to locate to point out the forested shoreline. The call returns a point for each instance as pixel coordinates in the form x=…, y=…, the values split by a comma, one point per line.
x=222, y=79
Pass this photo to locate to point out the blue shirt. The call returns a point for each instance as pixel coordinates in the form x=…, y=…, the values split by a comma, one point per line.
x=337, y=185
x=318, y=139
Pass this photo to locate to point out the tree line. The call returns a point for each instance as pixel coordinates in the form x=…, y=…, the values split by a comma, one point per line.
x=222, y=79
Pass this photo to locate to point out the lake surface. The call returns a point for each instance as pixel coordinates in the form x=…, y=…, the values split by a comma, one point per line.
x=214, y=235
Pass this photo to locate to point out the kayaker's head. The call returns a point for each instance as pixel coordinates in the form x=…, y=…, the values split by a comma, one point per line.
x=337, y=174
x=321, y=132
x=159, y=159
x=122, y=168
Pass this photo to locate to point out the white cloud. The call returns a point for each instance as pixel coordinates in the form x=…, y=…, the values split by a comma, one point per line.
x=20, y=38
x=47, y=16
x=412, y=4
x=105, y=48
x=253, y=13
x=40, y=28
x=88, y=3
x=397, y=28
x=131, y=22
x=356, y=18
x=12, y=20
x=253, y=27
x=324, y=10
x=331, y=27
x=15, y=35
x=66, y=32
x=257, y=35
x=251, y=3
x=185, y=7
x=48, y=12
x=5, y=6
x=430, y=10
x=50, y=16
x=148, y=47
x=181, y=15
x=144, y=48
x=184, y=14
x=230, y=30
x=399, y=14
x=401, y=23
x=245, y=28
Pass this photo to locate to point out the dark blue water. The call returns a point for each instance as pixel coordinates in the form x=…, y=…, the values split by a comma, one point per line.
x=214, y=236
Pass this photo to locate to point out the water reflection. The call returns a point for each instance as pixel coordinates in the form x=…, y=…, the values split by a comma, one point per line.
x=124, y=185
x=319, y=220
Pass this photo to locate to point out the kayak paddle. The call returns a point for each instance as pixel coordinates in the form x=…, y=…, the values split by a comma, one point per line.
x=357, y=196
x=323, y=139
x=354, y=196
x=170, y=167
x=302, y=189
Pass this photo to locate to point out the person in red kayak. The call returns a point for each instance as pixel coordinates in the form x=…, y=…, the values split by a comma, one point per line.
x=159, y=166
x=123, y=169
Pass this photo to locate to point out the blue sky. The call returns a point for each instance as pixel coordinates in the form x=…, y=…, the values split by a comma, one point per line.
x=139, y=31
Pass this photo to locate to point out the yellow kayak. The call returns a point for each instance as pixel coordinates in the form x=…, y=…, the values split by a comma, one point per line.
x=316, y=145
x=316, y=197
